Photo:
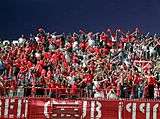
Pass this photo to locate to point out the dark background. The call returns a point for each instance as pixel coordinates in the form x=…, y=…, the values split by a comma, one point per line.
x=25, y=16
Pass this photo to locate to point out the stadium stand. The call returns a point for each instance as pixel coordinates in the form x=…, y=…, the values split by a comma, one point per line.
x=109, y=65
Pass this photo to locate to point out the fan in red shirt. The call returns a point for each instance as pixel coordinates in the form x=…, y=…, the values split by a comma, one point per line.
x=88, y=79
x=136, y=81
x=74, y=89
x=83, y=45
x=151, y=80
x=104, y=37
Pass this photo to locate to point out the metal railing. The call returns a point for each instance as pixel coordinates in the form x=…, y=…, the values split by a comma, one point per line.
x=68, y=93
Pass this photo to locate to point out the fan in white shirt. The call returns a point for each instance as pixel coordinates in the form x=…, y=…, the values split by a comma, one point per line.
x=21, y=40
x=91, y=42
x=112, y=95
x=152, y=51
x=75, y=45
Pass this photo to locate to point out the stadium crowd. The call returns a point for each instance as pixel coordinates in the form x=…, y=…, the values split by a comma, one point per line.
x=112, y=65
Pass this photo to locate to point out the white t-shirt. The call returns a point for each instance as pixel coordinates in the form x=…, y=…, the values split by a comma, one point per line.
x=70, y=80
x=91, y=42
x=67, y=57
x=144, y=47
x=37, y=55
x=15, y=42
x=113, y=39
x=95, y=85
x=151, y=49
x=53, y=36
x=75, y=44
x=111, y=95
x=37, y=39
x=84, y=61
x=21, y=40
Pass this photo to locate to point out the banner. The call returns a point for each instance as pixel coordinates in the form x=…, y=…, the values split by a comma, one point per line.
x=47, y=108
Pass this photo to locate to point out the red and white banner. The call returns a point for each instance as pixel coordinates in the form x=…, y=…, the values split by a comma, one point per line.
x=43, y=108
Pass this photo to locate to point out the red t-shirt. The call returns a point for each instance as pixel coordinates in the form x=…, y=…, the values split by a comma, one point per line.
x=137, y=79
x=83, y=45
x=47, y=55
x=109, y=43
x=49, y=74
x=23, y=69
x=130, y=77
x=105, y=51
x=43, y=72
x=39, y=68
x=88, y=78
x=29, y=64
x=54, y=58
x=74, y=59
x=41, y=62
x=74, y=89
x=97, y=50
x=104, y=37
x=151, y=80
x=124, y=40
